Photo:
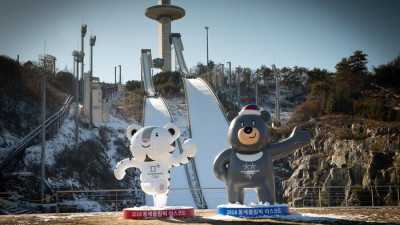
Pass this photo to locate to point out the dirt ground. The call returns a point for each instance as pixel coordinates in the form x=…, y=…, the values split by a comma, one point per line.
x=298, y=216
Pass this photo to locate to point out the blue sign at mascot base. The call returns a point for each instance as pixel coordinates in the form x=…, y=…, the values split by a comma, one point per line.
x=253, y=211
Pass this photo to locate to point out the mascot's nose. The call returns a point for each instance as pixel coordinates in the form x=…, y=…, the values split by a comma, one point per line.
x=248, y=130
x=145, y=140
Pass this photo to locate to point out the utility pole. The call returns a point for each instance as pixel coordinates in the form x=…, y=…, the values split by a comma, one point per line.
x=229, y=80
x=223, y=75
x=43, y=112
x=77, y=56
x=92, y=43
x=257, y=73
x=238, y=87
x=207, y=47
x=115, y=75
x=277, y=108
x=54, y=66
x=119, y=74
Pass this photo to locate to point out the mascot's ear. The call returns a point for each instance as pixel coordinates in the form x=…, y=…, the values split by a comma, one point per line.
x=266, y=116
x=173, y=129
x=231, y=115
x=132, y=129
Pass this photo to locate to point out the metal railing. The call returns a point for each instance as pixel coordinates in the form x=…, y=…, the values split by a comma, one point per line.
x=345, y=196
x=118, y=199
x=9, y=202
x=52, y=124
x=98, y=200
x=332, y=196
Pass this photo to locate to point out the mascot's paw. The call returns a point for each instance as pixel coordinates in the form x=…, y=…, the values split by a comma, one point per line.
x=119, y=174
x=189, y=147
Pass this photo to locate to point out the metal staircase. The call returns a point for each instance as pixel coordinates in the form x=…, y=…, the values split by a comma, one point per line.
x=52, y=124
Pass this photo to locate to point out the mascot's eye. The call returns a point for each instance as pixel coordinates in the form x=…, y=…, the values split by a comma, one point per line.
x=156, y=134
x=254, y=122
x=242, y=124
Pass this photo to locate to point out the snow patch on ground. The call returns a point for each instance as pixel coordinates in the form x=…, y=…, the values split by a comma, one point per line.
x=65, y=137
x=250, y=205
x=155, y=208
x=85, y=205
x=46, y=218
x=305, y=217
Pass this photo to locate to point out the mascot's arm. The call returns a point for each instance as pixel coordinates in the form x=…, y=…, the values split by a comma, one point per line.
x=296, y=140
x=220, y=164
x=119, y=170
x=189, y=151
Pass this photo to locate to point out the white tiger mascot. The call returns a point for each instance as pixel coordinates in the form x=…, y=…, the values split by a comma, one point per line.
x=153, y=151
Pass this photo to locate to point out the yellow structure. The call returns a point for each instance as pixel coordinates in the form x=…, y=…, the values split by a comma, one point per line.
x=100, y=104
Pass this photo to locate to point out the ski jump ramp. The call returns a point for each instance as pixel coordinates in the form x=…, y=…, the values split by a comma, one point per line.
x=207, y=127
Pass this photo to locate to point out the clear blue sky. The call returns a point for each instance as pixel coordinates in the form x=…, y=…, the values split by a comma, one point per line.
x=309, y=33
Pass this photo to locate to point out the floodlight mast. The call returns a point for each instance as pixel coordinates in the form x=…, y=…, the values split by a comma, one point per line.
x=43, y=133
x=77, y=59
x=83, y=33
x=92, y=43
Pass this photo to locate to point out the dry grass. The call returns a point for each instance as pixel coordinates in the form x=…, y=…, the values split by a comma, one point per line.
x=347, y=216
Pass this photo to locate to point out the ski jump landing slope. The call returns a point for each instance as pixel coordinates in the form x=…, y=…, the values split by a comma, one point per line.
x=156, y=113
x=208, y=128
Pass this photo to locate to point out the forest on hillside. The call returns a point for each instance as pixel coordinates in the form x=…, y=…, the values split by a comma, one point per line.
x=351, y=90
x=21, y=94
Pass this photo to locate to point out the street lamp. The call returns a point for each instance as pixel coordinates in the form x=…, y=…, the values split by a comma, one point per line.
x=207, y=45
x=92, y=43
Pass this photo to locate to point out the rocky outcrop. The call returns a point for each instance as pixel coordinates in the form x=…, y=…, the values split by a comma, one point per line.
x=362, y=157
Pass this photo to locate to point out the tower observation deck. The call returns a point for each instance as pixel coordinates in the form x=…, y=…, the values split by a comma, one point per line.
x=164, y=13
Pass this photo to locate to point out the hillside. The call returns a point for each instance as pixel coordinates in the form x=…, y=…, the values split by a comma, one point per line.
x=88, y=167
x=355, y=131
x=20, y=97
x=353, y=116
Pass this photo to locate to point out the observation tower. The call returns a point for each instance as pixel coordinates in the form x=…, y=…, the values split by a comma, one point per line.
x=164, y=13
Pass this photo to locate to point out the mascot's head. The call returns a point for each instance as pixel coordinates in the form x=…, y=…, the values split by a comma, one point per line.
x=152, y=143
x=248, y=130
